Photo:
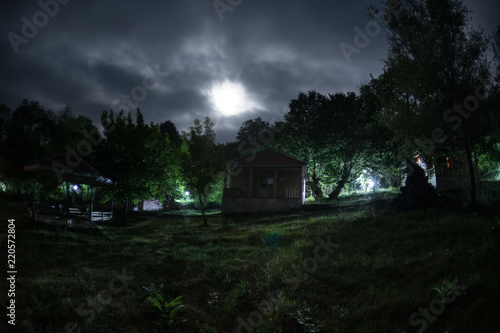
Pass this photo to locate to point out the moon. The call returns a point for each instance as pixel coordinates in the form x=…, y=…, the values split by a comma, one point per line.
x=230, y=98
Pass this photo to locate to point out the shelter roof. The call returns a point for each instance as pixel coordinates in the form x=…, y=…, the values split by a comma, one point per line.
x=67, y=167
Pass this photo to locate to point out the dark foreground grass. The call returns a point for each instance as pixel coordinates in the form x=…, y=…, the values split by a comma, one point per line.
x=366, y=271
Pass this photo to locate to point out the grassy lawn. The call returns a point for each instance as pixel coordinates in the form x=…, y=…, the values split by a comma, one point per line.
x=371, y=270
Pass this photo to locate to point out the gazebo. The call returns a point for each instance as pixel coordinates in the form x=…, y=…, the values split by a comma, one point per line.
x=71, y=168
x=265, y=181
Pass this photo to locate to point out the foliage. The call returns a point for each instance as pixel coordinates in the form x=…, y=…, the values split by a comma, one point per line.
x=168, y=128
x=447, y=290
x=436, y=62
x=202, y=162
x=304, y=318
x=205, y=328
x=302, y=139
x=139, y=159
x=338, y=136
x=252, y=133
x=349, y=142
x=31, y=132
x=169, y=312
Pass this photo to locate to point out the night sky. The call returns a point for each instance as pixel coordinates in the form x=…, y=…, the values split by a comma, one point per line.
x=181, y=60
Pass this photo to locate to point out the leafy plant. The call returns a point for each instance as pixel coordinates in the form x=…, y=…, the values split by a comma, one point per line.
x=447, y=289
x=152, y=289
x=214, y=298
x=169, y=312
x=304, y=318
x=339, y=312
x=205, y=328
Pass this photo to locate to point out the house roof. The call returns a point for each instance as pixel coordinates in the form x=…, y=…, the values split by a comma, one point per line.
x=67, y=167
x=267, y=157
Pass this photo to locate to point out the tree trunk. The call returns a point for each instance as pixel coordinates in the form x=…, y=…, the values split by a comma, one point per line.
x=316, y=190
x=343, y=180
x=124, y=216
x=473, y=194
x=202, y=206
x=339, y=188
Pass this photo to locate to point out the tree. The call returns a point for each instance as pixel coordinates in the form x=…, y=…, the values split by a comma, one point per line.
x=4, y=120
x=252, y=131
x=27, y=137
x=351, y=133
x=139, y=160
x=495, y=43
x=30, y=133
x=201, y=161
x=383, y=148
x=303, y=139
x=434, y=76
x=168, y=127
x=70, y=130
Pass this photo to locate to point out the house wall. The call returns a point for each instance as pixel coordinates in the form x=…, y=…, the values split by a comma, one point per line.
x=240, y=180
x=293, y=176
x=272, y=189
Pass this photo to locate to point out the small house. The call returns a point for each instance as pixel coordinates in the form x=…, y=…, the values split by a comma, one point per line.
x=265, y=181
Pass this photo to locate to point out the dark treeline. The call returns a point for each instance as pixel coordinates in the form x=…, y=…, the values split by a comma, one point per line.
x=437, y=98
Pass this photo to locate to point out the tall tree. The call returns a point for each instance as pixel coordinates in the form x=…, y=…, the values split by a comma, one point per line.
x=252, y=132
x=435, y=64
x=27, y=137
x=302, y=139
x=350, y=131
x=383, y=150
x=139, y=160
x=168, y=127
x=70, y=130
x=202, y=161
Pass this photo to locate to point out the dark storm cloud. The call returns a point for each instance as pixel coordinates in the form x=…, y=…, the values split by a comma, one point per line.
x=91, y=54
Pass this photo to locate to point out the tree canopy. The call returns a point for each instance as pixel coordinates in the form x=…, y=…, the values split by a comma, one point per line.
x=201, y=161
x=139, y=159
x=435, y=79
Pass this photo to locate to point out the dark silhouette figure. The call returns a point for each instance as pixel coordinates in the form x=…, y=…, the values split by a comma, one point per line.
x=417, y=192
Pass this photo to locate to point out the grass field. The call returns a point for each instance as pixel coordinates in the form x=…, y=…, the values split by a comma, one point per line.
x=371, y=270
